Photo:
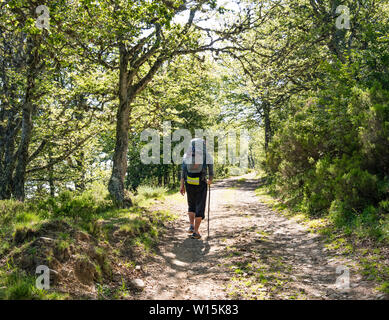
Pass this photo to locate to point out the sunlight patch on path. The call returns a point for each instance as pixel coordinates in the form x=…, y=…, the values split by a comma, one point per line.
x=252, y=253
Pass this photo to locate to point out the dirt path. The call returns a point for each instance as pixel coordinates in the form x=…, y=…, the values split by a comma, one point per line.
x=252, y=253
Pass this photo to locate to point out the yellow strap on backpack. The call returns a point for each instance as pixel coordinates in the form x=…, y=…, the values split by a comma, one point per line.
x=195, y=181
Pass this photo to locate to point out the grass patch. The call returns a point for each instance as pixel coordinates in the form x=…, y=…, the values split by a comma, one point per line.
x=149, y=192
x=17, y=285
x=45, y=229
x=261, y=280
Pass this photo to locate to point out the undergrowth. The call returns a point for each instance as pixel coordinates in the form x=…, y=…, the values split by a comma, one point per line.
x=91, y=212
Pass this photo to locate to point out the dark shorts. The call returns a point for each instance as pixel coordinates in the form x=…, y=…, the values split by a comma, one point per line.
x=197, y=197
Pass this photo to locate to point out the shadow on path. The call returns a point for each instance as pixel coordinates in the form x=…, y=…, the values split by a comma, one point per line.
x=246, y=236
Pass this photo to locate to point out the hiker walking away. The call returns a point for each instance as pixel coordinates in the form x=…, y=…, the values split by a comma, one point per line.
x=195, y=163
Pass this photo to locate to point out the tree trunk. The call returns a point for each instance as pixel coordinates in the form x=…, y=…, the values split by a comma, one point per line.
x=251, y=161
x=268, y=133
x=80, y=183
x=51, y=182
x=9, y=113
x=51, y=176
x=165, y=176
x=27, y=125
x=8, y=165
x=22, y=158
x=174, y=174
x=119, y=169
x=127, y=93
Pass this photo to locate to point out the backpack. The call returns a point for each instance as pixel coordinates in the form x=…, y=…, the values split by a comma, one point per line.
x=191, y=158
x=194, y=170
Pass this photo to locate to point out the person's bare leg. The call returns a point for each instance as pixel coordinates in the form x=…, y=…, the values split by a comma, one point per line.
x=191, y=216
x=197, y=224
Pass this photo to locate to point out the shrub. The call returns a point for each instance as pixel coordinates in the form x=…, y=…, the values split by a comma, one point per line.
x=75, y=205
x=331, y=157
x=149, y=192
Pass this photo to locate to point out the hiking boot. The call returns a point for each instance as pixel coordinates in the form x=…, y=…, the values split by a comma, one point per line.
x=191, y=229
x=196, y=235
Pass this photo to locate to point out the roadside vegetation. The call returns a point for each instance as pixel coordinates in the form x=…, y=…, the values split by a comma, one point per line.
x=367, y=242
x=84, y=240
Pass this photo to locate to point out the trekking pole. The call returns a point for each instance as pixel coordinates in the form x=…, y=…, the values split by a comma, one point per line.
x=209, y=203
